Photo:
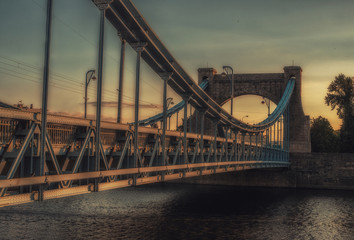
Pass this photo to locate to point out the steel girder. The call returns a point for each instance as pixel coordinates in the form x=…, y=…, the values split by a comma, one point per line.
x=70, y=156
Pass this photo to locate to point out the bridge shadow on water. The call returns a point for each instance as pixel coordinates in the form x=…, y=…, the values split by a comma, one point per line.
x=177, y=211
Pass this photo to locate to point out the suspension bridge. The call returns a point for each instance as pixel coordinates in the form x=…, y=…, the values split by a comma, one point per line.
x=46, y=156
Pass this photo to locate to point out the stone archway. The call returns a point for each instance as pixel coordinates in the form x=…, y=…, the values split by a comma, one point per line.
x=268, y=85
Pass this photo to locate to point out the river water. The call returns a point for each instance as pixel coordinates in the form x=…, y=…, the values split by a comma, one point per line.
x=181, y=211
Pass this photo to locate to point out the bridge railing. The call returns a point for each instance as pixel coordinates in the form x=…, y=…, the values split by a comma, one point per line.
x=7, y=128
x=71, y=153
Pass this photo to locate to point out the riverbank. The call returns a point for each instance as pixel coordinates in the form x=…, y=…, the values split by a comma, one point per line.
x=307, y=170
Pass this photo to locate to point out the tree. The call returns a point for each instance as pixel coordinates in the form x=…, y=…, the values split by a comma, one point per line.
x=340, y=95
x=323, y=137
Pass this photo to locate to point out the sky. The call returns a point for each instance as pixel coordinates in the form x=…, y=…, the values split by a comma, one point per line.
x=251, y=36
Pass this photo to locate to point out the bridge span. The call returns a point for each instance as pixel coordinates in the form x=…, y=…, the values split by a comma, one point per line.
x=46, y=156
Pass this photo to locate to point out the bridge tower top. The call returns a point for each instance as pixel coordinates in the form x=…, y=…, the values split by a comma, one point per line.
x=268, y=85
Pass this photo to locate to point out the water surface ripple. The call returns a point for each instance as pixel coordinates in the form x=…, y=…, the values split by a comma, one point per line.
x=176, y=211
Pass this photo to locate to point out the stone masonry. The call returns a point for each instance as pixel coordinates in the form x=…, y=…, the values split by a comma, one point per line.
x=307, y=170
x=268, y=85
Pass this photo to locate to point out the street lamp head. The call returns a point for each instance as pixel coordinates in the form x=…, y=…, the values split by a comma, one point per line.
x=244, y=117
x=93, y=76
x=169, y=101
x=227, y=67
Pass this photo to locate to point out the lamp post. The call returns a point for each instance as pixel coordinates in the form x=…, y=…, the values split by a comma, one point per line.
x=226, y=72
x=169, y=101
x=266, y=102
x=89, y=75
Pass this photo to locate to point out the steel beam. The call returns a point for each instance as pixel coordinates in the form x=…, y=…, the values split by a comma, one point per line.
x=15, y=182
x=99, y=94
x=165, y=77
x=226, y=145
x=202, y=135
x=45, y=92
x=124, y=151
x=215, y=140
x=139, y=47
x=185, y=148
x=154, y=151
x=20, y=155
x=121, y=78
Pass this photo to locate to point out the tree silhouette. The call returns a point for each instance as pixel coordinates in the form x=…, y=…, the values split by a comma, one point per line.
x=340, y=95
x=323, y=137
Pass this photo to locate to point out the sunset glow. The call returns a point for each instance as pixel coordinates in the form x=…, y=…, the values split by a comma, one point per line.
x=253, y=37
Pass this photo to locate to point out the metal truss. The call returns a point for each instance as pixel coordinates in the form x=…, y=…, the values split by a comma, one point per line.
x=70, y=155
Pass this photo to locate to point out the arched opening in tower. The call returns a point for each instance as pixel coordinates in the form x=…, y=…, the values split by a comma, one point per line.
x=251, y=109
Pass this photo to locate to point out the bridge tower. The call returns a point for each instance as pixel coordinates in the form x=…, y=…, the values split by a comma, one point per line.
x=268, y=85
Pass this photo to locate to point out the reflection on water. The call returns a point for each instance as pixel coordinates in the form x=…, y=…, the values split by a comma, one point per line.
x=173, y=211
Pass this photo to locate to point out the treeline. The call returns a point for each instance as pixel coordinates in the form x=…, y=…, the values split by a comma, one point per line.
x=340, y=96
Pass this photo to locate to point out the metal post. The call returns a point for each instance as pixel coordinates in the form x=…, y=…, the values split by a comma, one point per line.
x=185, y=130
x=120, y=84
x=190, y=118
x=165, y=79
x=282, y=137
x=202, y=135
x=196, y=120
x=139, y=48
x=282, y=132
x=235, y=151
x=270, y=137
x=99, y=95
x=243, y=146
x=31, y=160
x=262, y=147
x=136, y=122
x=227, y=145
x=288, y=130
x=177, y=121
x=257, y=147
x=250, y=148
x=274, y=135
x=88, y=156
x=267, y=136
x=232, y=91
x=45, y=94
x=278, y=142
x=215, y=142
x=85, y=111
x=269, y=154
